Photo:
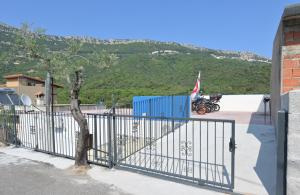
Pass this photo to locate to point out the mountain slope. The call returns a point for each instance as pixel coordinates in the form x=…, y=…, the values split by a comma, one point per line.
x=148, y=67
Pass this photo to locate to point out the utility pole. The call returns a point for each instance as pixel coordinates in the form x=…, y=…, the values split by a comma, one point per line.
x=49, y=113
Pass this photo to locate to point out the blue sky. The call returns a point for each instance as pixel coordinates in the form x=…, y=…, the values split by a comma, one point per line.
x=243, y=25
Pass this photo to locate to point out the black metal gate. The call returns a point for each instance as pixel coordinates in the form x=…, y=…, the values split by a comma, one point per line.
x=198, y=151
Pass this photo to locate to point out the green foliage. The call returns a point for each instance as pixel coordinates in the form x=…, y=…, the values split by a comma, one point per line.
x=33, y=46
x=135, y=70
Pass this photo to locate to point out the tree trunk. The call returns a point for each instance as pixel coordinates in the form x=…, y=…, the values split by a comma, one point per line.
x=82, y=142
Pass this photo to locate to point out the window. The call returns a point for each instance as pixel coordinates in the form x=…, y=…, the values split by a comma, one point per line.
x=30, y=83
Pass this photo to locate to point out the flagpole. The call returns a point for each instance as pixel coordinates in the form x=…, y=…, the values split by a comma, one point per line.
x=199, y=75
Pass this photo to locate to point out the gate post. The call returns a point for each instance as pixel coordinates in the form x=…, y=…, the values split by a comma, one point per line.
x=232, y=147
x=115, y=160
x=14, y=125
x=110, y=155
x=53, y=132
x=281, y=140
x=96, y=137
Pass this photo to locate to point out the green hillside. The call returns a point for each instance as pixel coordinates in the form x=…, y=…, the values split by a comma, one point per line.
x=150, y=68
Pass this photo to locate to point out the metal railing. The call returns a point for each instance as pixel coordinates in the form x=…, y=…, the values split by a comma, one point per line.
x=34, y=130
x=198, y=151
x=193, y=150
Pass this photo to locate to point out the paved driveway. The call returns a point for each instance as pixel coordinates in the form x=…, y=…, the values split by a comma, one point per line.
x=22, y=176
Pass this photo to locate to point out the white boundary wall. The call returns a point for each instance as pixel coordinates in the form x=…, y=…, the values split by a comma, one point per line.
x=243, y=103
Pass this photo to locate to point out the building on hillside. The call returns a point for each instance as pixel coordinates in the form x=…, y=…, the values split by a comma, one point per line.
x=34, y=87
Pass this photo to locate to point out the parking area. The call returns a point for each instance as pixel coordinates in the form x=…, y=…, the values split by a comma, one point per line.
x=256, y=118
x=255, y=154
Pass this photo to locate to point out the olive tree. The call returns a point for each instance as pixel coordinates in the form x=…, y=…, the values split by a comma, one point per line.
x=67, y=65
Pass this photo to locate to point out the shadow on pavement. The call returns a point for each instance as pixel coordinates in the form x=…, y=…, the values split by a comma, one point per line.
x=266, y=160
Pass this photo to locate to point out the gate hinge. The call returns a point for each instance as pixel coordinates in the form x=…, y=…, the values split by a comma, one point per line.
x=232, y=145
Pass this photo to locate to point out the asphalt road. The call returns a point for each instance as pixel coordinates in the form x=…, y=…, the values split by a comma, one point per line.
x=22, y=176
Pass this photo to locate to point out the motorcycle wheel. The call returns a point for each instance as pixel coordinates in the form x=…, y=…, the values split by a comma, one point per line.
x=208, y=108
x=194, y=106
x=216, y=107
x=201, y=109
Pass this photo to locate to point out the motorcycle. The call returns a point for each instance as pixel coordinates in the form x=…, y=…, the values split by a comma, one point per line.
x=199, y=106
x=212, y=102
x=202, y=105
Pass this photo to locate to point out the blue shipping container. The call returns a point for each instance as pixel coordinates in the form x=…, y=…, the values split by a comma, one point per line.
x=163, y=106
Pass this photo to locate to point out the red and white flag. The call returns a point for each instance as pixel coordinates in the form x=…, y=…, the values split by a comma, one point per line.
x=197, y=87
